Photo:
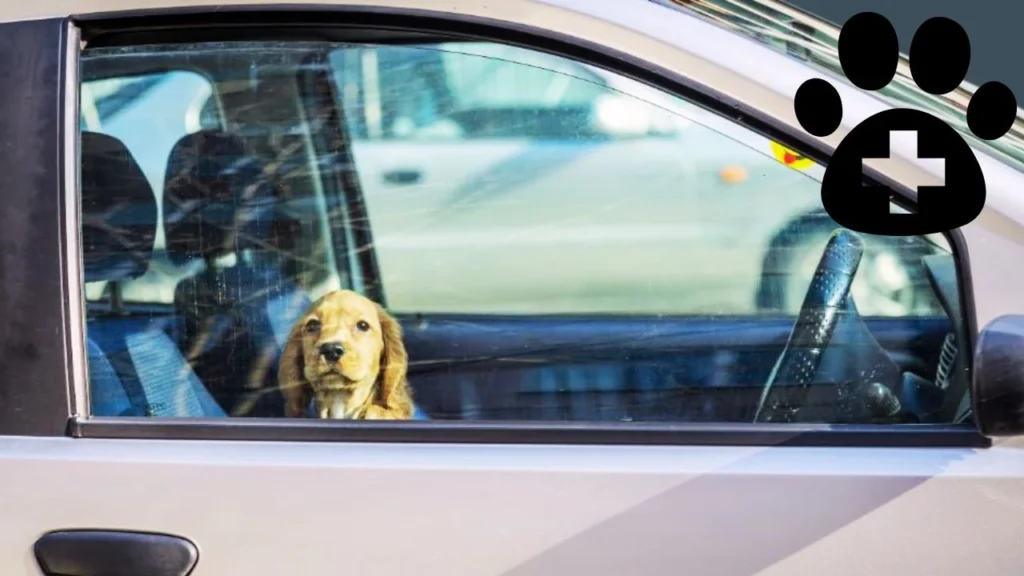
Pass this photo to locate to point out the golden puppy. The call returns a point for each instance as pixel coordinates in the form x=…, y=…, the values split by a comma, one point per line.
x=346, y=354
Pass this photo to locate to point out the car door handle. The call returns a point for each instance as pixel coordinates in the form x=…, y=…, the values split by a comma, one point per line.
x=114, y=553
x=403, y=176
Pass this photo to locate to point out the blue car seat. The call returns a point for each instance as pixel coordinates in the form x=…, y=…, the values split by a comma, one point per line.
x=135, y=368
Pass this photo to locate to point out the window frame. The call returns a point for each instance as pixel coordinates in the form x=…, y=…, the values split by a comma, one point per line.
x=354, y=24
x=43, y=351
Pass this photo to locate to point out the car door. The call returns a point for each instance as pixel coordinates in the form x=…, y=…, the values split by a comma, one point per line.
x=589, y=399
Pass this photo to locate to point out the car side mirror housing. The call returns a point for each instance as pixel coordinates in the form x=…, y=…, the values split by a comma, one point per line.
x=997, y=386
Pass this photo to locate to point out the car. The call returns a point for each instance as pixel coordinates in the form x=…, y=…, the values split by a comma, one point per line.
x=635, y=340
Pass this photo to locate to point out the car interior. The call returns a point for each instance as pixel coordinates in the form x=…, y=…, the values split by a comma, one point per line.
x=265, y=214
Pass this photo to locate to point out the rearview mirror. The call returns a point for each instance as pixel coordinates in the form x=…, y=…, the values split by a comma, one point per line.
x=997, y=387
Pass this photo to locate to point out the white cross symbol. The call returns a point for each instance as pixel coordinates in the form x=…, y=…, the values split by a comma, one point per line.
x=908, y=139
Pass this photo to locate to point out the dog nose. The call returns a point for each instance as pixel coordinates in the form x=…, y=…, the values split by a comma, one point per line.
x=331, y=351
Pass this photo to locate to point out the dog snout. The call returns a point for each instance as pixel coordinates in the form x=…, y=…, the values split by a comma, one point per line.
x=332, y=351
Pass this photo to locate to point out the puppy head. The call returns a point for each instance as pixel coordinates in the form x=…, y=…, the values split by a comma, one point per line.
x=345, y=342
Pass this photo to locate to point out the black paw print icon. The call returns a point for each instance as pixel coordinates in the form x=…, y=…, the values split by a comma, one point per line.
x=940, y=53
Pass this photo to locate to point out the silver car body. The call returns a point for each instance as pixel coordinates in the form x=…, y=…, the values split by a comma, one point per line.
x=451, y=509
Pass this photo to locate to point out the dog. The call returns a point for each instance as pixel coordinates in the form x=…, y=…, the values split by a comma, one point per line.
x=346, y=355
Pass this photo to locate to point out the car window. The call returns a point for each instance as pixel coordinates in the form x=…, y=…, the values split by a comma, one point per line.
x=476, y=231
x=544, y=185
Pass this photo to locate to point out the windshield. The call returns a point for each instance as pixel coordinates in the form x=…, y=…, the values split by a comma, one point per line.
x=809, y=39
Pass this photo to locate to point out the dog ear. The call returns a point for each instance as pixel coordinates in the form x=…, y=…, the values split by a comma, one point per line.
x=290, y=377
x=393, y=389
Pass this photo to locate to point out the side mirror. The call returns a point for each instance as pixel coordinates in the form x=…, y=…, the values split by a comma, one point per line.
x=997, y=387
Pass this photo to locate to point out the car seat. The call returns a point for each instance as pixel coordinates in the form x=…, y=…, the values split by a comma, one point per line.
x=219, y=205
x=135, y=368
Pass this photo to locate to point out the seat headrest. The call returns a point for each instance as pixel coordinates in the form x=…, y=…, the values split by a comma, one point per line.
x=119, y=214
x=217, y=198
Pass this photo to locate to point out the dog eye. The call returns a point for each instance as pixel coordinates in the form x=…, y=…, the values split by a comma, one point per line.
x=362, y=326
x=312, y=326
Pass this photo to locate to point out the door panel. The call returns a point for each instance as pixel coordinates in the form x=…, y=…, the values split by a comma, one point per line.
x=274, y=508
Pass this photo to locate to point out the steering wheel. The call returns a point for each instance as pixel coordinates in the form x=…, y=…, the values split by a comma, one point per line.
x=819, y=314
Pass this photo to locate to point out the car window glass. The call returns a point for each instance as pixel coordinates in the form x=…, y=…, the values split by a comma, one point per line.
x=567, y=175
x=516, y=236
x=488, y=80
